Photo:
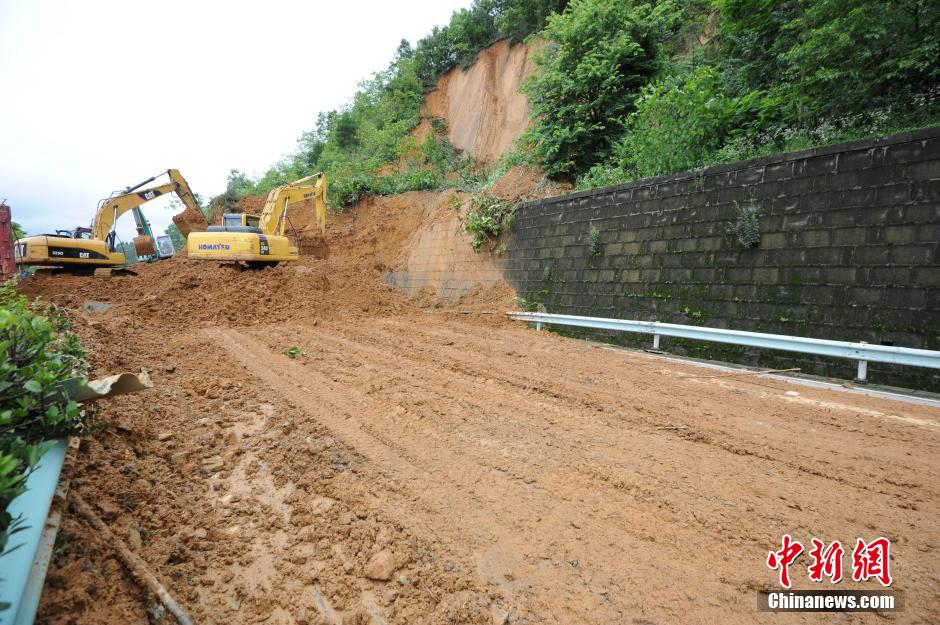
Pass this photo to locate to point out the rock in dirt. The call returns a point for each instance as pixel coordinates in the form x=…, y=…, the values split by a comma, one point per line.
x=316, y=445
x=93, y=306
x=133, y=539
x=177, y=458
x=347, y=564
x=164, y=436
x=321, y=505
x=381, y=566
x=213, y=464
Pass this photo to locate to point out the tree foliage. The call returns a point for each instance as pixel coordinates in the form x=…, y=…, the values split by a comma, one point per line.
x=829, y=58
x=598, y=56
x=774, y=76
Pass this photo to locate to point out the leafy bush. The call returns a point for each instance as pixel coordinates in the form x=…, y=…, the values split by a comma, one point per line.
x=680, y=123
x=594, y=242
x=599, y=54
x=919, y=111
x=487, y=218
x=39, y=355
x=746, y=227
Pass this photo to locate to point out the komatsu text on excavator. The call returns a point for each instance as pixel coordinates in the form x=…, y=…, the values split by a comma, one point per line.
x=85, y=249
x=262, y=241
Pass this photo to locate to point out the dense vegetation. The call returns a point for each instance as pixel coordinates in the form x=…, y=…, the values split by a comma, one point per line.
x=731, y=79
x=635, y=88
x=39, y=356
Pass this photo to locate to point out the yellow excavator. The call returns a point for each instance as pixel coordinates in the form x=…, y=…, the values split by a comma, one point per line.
x=262, y=241
x=85, y=249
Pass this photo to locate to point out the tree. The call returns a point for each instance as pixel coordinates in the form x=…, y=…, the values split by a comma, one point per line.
x=18, y=232
x=833, y=58
x=680, y=123
x=517, y=19
x=179, y=241
x=599, y=54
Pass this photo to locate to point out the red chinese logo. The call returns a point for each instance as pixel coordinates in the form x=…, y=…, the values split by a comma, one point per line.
x=784, y=558
x=826, y=562
x=869, y=560
x=872, y=560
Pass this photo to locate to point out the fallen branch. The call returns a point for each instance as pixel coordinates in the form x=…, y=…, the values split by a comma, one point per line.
x=134, y=564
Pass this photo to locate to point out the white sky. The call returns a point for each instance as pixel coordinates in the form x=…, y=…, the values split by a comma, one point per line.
x=97, y=95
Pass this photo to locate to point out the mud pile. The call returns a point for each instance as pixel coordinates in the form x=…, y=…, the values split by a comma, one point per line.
x=363, y=245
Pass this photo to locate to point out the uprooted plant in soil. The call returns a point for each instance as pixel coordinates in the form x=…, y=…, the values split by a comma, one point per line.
x=488, y=218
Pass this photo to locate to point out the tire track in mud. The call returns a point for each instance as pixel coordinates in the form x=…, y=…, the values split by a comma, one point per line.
x=725, y=436
x=522, y=537
x=588, y=450
x=716, y=389
x=708, y=493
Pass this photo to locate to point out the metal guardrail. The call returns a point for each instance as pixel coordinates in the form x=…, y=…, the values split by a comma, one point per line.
x=862, y=352
x=23, y=570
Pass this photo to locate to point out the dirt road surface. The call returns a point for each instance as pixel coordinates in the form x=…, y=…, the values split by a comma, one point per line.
x=428, y=462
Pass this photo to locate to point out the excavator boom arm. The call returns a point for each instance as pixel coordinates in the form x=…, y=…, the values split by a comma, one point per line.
x=273, y=217
x=114, y=207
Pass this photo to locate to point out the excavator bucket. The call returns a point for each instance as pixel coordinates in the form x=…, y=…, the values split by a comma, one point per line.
x=144, y=246
x=190, y=220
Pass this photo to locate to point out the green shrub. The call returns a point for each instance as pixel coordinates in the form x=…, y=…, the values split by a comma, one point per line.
x=746, y=227
x=487, y=218
x=594, y=242
x=680, y=123
x=39, y=355
x=831, y=58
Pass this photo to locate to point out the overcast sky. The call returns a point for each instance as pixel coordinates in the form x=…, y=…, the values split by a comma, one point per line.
x=96, y=95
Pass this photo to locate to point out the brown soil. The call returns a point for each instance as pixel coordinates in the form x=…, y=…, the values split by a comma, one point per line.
x=482, y=106
x=523, y=183
x=190, y=220
x=504, y=475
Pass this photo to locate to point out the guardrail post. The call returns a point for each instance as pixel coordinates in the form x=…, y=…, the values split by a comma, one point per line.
x=538, y=326
x=656, y=341
x=862, y=371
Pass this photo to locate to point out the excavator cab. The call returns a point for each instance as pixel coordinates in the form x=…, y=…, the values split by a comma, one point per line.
x=238, y=222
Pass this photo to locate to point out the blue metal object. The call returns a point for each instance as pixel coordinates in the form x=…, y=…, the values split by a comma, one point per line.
x=23, y=571
x=862, y=352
